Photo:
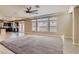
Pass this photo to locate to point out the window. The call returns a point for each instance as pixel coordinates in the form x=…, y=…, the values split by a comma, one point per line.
x=34, y=26
x=42, y=25
x=53, y=24
x=45, y=25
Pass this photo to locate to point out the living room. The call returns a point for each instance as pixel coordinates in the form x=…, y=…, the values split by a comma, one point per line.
x=47, y=28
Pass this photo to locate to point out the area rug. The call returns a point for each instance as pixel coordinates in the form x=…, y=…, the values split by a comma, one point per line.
x=35, y=45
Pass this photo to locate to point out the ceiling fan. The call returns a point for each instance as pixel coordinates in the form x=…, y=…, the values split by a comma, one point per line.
x=29, y=10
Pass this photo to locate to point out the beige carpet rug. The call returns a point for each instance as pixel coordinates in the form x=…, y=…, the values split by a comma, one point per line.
x=35, y=45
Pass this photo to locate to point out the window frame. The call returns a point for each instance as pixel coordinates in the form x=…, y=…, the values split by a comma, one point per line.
x=46, y=20
x=34, y=26
x=49, y=26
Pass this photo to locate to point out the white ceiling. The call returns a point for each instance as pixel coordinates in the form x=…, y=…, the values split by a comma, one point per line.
x=10, y=12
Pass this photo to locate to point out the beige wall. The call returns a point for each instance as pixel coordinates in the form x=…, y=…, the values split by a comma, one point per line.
x=64, y=26
x=27, y=26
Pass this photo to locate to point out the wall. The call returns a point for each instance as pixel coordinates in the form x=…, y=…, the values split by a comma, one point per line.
x=64, y=26
x=76, y=26
x=28, y=26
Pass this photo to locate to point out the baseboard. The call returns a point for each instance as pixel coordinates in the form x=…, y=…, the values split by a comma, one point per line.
x=76, y=44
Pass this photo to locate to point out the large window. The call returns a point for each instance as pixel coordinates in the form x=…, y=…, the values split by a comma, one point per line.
x=53, y=24
x=42, y=25
x=34, y=26
x=45, y=25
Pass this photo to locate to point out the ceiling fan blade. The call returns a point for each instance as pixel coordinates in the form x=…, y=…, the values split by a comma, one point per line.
x=33, y=11
x=29, y=8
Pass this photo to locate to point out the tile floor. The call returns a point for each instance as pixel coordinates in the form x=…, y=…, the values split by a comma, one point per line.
x=4, y=50
x=9, y=35
x=68, y=47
